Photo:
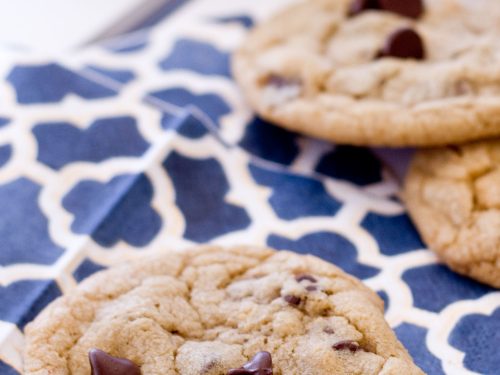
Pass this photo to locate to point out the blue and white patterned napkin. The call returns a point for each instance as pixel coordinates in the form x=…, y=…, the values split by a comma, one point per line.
x=145, y=143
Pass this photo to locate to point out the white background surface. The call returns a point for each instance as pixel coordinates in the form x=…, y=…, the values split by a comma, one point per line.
x=58, y=25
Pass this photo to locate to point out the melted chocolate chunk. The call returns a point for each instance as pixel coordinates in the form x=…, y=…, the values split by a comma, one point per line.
x=358, y=6
x=292, y=300
x=301, y=278
x=311, y=288
x=406, y=8
x=280, y=81
x=260, y=364
x=403, y=43
x=208, y=366
x=102, y=363
x=353, y=346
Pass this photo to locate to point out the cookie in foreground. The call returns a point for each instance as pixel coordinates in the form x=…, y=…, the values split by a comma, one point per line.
x=377, y=72
x=212, y=310
x=453, y=196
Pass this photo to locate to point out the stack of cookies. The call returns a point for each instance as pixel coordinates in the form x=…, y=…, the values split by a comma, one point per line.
x=397, y=73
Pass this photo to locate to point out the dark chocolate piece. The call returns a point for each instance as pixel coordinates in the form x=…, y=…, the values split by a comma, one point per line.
x=403, y=43
x=102, y=363
x=353, y=346
x=310, y=278
x=208, y=366
x=292, y=300
x=280, y=81
x=406, y=8
x=260, y=364
x=359, y=6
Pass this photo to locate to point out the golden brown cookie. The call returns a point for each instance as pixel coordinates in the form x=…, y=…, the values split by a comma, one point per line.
x=453, y=196
x=397, y=73
x=215, y=311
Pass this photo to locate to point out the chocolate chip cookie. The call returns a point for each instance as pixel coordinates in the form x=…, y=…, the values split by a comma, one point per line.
x=217, y=311
x=453, y=196
x=378, y=72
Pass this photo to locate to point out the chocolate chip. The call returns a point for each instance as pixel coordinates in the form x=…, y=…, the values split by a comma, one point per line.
x=407, y=8
x=292, y=300
x=329, y=330
x=353, y=346
x=281, y=81
x=462, y=87
x=456, y=149
x=260, y=364
x=102, y=363
x=300, y=278
x=311, y=288
x=208, y=366
x=403, y=43
x=358, y=6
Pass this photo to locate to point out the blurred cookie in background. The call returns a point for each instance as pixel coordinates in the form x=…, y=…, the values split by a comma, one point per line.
x=453, y=196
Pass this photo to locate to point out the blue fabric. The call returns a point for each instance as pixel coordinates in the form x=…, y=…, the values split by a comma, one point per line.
x=50, y=83
x=120, y=75
x=5, y=369
x=478, y=337
x=128, y=48
x=4, y=121
x=354, y=164
x=201, y=188
x=413, y=338
x=213, y=106
x=385, y=298
x=270, y=142
x=242, y=20
x=33, y=293
x=60, y=144
x=117, y=210
x=434, y=287
x=395, y=234
x=186, y=125
x=332, y=247
x=289, y=191
x=5, y=153
x=85, y=269
x=197, y=56
x=24, y=236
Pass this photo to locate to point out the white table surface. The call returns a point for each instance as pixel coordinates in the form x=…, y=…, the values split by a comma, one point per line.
x=54, y=26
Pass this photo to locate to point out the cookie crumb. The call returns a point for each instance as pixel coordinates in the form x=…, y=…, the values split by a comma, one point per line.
x=353, y=346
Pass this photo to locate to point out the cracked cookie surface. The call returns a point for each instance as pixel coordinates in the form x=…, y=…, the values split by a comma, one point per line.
x=210, y=309
x=333, y=86
x=453, y=196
